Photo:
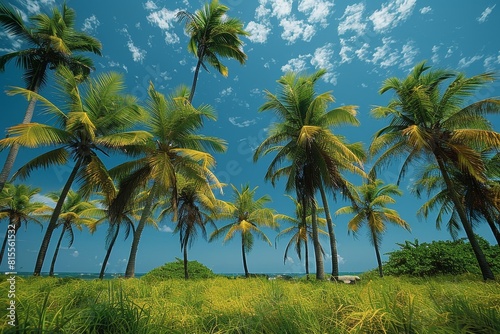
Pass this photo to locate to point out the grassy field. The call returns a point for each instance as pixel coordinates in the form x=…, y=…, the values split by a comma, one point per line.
x=462, y=304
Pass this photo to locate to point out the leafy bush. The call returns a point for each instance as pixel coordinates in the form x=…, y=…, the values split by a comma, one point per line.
x=176, y=270
x=440, y=257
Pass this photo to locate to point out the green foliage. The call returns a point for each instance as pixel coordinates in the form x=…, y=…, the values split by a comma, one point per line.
x=440, y=257
x=174, y=270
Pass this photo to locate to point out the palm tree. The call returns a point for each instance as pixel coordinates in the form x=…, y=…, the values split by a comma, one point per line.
x=75, y=212
x=175, y=147
x=300, y=232
x=247, y=216
x=16, y=204
x=213, y=35
x=370, y=208
x=317, y=157
x=430, y=120
x=95, y=122
x=52, y=42
x=197, y=208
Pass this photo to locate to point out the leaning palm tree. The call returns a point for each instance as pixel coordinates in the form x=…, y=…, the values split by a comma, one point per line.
x=17, y=205
x=431, y=120
x=75, y=212
x=52, y=41
x=246, y=217
x=95, y=120
x=197, y=208
x=316, y=156
x=300, y=232
x=213, y=35
x=370, y=208
x=175, y=147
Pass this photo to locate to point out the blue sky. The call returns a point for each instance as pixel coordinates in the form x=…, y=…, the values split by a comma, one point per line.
x=359, y=43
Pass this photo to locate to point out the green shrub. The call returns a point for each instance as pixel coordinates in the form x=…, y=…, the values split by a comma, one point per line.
x=176, y=270
x=440, y=258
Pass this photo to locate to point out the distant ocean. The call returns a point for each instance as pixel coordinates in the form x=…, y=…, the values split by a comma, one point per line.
x=91, y=276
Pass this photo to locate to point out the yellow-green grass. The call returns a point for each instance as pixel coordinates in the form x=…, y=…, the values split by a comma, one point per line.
x=221, y=305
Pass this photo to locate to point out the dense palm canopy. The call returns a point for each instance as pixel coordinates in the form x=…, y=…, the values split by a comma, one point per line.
x=75, y=213
x=18, y=206
x=175, y=147
x=247, y=216
x=212, y=35
x=370, y=208
x=94, y=120
x=307, y=152
x=52, y=42
x=432, y=119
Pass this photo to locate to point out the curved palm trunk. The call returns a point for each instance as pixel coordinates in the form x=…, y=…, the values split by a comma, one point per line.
x=493, y=227
x=108, y=253
x=481, y=259
x=331, y=235
x=320, y=270
x=53, y=219
x=377, y=253
x=195, y=79
x=14, y=149
x=243, y=253
x=56, y=252
x=185, y=253
x=130, y=271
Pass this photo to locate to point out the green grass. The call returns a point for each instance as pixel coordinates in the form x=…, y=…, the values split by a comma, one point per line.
x=461, y=304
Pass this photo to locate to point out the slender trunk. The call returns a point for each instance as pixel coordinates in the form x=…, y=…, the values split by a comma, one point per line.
x=195, y=80
x=14, y=149
x=53, y=219
x=108, y=252
x=377, y=253
x=307, y=258
x=243, y=253
x=481, y=259
x=14, y=224
x=493, y=227
x=130, y=271
x=320, y=270
x=185, y=253
x=331, y=235
x=56, y=252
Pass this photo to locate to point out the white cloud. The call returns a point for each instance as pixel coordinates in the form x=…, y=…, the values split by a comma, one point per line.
x=362, y=52
x=464, y=62
x=485, y=14
x=318, y=10
x=322, y=59
x=425, y=10
x=226, y=92
x=435, y=55
x=345, y=51
x=90, y=24
x=244, y=124
x=384, y=55
x=165, y=228
x=281, y=8
x=75, y=254
x=352, y=19
x=409, y=52
x=165, y=20
x=296, y=64
x=259, y=32
x=296, y=29
x=138, y=54
x=491, y=62
x=391, y=14
x=150, y=5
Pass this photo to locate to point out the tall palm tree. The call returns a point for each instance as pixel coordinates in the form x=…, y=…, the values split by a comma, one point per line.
x=370, y=208
x=431, y=120
x=317, y=157
x=52, y=41
x=75, y=212
x=300, y=232
x=94, y=121
x=175, y=147
x=16, y=204
x=197, y=208
x=247, y=216
x=212, y=35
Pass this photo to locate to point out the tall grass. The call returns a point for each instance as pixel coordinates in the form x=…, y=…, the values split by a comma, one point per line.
x=222, y=305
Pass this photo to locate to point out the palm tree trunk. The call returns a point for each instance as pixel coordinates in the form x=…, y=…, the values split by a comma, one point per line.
x=331, y=235
x=377, y=253
x=108, y=252
x=320, y=270
x=493, y=227
x=243, y=253
x=185, y=253
x=130, y=271
x=14, y=149
x=307, y=259
x=4, y=243
x=56, y=252
x=196, y=72
x=53, y=219
x=481, y=259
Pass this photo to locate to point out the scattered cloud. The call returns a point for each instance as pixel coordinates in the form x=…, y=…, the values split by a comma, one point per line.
x=75, y=253
x=466, y=62
x=165, y=228
x=425, y=10
x=391, y=14
x=150, y=5
x=165, y=20
x=296, y=64
x=352, y=20
x=409, y=51
x=258, y=32
x=385, y=56
x=317, y=11
x=244, y=124
x=90, y=24
x=485, y=14
x=294, y=30
x=138, y=54
x=491, y=62
x=322, y=59
x=226, y=92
